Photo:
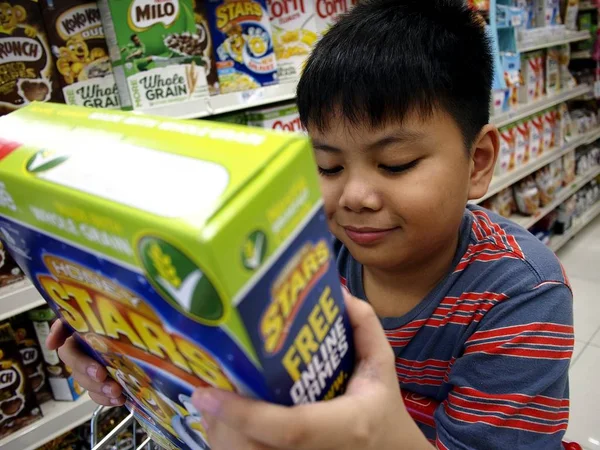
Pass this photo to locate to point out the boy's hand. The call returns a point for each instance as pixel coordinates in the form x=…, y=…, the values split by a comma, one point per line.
x=370, y=415
x=88, y=373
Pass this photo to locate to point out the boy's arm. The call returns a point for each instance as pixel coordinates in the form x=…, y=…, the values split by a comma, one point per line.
x=511, y=384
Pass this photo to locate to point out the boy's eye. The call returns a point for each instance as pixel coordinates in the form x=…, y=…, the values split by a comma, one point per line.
x=329, y=172
x=400, y=168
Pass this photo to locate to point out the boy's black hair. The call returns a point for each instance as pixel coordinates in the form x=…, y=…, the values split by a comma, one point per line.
x=388, y=58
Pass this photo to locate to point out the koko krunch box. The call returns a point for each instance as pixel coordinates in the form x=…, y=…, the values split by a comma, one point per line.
x=183, y=253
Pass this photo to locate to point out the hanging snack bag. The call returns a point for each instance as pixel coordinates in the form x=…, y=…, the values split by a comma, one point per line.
x=522, y=143
x=243, y=44
x=295, y=32
x=31, y=355
x=506, y=159
x=18, y=407
x=77, y=41
x=27, y=71
x=276, y=118
x=216, y=270
x=157, y=55
x=527, y=196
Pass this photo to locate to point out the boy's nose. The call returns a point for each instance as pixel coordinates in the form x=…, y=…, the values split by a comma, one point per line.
x=359, y=195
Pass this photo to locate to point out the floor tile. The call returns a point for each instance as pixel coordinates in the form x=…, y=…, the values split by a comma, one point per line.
x=584, y=423
x=577, y=348
x=596, y=339
x=586, y=305
x=581, y=260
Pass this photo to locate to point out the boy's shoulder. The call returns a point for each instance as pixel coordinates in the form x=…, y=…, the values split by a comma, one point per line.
x=500, y=251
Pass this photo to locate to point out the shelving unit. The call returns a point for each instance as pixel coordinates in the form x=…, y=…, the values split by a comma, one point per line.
x=567, y=38
x=562, y=196
x=558, y=241
x=59, y=417
x=17, y=298
x=527, y=110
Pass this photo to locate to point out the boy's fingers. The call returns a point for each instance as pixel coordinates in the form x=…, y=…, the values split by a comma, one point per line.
x=370, y=342
x=72, y=356
x=105, y=401
x=312, y=426
x=58, y=335
x=109, y=388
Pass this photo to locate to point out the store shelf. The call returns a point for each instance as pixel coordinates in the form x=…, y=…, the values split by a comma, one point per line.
x=503, y=181
x=17, y=298
x=562, y=196
x=220, y=104
x=527, y=110
x=59, y=417
x=558, y=241
x=587, y=6
x=582, y=54
x=566, y=38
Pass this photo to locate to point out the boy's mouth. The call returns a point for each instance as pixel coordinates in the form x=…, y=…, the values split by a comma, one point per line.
x=366, y=235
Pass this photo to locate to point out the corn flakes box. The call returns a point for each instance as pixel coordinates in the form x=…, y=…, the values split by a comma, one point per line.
x=329, y=11
x=243, y=44
x=181, y=254
x=78, y=45
x=157, y=51
x=295, y=32
x=277, y=118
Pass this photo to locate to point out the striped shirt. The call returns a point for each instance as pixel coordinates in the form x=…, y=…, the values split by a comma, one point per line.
x=483, y=359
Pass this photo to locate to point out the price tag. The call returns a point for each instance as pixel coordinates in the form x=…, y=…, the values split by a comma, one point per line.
x=516, y=20
x=252, y=96
x=597, y=89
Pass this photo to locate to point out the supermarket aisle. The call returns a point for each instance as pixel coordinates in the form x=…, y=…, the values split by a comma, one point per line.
x=581, y=258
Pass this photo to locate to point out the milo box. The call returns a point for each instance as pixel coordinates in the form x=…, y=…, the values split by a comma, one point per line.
x=77, y=41
x=243, y=44
x=278, y=118
x=26, y=68
x=157, y=54
x=181, y=253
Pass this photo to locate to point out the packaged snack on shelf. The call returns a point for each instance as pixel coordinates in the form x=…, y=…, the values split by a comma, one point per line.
x=158, y=57
x=503, y=203
x=548, y=13
x=527, y=196
x=566, y=212
x=277, y=118
x=243, y=44
x=26, y=65
x=63, y=385
x=536, y=133
x=173, y=290
x=545, y=185
x=532, y=73
x=18, y=407
x=568, y=167
x=549, y=123
x=552, y=71
x=506, y=158
x=585, y=23
x=295, y=31
x=567, y=80
x=558, y=175
x=569, y=12
x=31, y=355
x=522, y=142
x=206, y=46
x=10, y=272
x=563, y=125
x=77, y=41
x=511, y=63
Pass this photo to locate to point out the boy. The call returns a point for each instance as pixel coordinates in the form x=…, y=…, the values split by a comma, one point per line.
x=477, y=311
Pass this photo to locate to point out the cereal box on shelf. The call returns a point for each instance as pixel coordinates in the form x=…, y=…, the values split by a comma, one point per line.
x=553, y=75
x=26, y=68
x=157, y=54
x=10, y=272
x=522, y=142
x=549, y=124
x=506, y=158
x=220, y=274
x=206, y=46
x=532, y=71
x=536, y=142
x=18, y=406
x=77, y=41
x=277, y=118
x=295, y=31
x=243, y=44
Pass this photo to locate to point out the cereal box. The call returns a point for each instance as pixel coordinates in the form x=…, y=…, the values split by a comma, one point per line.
x=553, y=76
x=158, y=56
x=18, y=407
x=26, y=68
x=206, y=46
x=532, y=71
x=536, y=142
x=506, y=159
x=278, y=118
x=295, y=31
x=243, y=44
x=549, y=124
x=328, y=11
x=77, y=40
x=216, y=270
x=522, y=142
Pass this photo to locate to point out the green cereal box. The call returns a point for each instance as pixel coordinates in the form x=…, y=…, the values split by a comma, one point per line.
x=157, y=54
x=278, y=118
x=181, y=253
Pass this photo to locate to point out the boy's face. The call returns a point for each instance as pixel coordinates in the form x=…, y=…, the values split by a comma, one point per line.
x=395, y=196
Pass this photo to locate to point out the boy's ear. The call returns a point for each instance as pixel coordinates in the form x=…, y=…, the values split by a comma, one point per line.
x=484, y=154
